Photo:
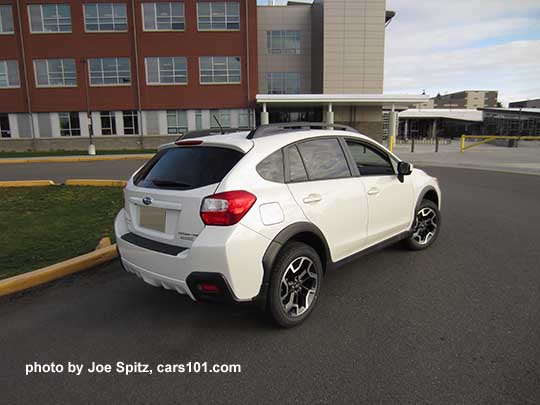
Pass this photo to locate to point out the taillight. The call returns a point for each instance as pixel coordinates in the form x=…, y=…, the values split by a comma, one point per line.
x=187, y=143
x=226, y=208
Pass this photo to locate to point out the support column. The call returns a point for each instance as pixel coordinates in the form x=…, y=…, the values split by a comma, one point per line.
x=330, y=115
x=392, y=121
x=265, y=119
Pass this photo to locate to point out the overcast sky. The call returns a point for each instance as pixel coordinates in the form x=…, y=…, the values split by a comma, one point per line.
x=452, y=45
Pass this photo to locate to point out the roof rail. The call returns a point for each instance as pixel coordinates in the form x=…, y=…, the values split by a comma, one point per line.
x=198, y=133
x=272, y=129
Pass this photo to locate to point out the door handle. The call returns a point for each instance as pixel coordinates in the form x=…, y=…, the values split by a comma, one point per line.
x=373, y=191
x=312, y=198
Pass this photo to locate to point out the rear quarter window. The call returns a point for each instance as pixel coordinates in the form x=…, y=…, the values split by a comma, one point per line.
x=186, y=168
x=271, y=167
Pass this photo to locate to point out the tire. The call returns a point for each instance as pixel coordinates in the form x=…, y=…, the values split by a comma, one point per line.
x=427, y=219
x=291, y=300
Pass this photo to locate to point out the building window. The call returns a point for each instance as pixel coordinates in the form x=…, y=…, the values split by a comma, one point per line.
x=220, y=119
x=49, y=18
x=166, y=70
x=219, y=69
x=218, y=16
x=163, y=16
x=198, y=119
x=105, y=17
x=6, y=20
x=177, y=122
x=283, y=42
x=55, y=72
x=283, y=83
x=9, y=74
x=131, y=122
x=69, y=124
x=5, y=131
x=244, y=118
x=108, y=123
x=109, y=71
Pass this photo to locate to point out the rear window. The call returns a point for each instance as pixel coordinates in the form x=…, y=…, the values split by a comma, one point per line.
x=185, y=168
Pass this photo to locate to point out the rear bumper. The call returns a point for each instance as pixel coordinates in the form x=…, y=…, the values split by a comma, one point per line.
x=232, y=254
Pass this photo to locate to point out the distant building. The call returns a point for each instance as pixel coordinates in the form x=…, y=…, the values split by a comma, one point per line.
x=525, y=104
x=443, y=123
x=452, y=123
x=470, y=99
x=512, y=121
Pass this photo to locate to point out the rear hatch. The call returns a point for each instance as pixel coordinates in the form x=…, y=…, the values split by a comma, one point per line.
x=165, y=199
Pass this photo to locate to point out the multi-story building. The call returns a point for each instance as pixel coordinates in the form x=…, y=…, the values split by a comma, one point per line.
x=535, y=103
x=328, y=47
x=70, y=70
x=470, y=99
x=125, y=67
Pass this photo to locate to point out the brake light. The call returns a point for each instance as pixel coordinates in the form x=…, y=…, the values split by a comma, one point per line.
x=226, y=208
x=187, y=143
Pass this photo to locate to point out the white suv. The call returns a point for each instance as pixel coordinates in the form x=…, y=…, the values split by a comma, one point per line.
x=261, y=216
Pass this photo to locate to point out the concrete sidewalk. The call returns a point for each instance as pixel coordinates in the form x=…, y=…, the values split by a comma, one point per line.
x=525, y=159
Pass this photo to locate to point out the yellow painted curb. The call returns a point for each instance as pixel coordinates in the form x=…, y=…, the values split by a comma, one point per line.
x=68, y=159
x=95, y=182
x=103, y=243
x=23, y=281
x=27, y=183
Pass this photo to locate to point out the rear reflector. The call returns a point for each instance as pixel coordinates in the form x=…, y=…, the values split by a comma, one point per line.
x=188, y=143
x=226, y=208
x=208, y=288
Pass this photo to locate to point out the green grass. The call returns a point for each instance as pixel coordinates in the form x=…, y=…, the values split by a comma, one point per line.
x=73, y=153
x=45, y=225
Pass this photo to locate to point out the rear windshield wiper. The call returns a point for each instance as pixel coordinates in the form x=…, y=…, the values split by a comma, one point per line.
x=169, y=183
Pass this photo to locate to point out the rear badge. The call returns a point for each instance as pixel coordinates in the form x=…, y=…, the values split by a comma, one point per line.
x=147, y=200
x=187, y=236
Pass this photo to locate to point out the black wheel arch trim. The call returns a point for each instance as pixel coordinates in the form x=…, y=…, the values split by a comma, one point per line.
x=275, y=246
x=422, y=194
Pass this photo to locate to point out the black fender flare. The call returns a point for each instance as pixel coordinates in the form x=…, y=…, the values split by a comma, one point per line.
x=421, y=195
x=277, y=244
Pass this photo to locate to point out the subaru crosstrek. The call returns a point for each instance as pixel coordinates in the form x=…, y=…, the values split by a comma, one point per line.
x=261, y=216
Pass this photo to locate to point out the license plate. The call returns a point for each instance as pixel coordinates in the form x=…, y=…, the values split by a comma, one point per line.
x=152, y=218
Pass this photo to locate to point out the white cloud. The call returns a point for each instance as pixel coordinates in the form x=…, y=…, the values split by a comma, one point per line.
x=451, y=46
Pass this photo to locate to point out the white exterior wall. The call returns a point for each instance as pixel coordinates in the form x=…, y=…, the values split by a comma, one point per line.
x=13, y=125
x=96, y=123
x=55, y=124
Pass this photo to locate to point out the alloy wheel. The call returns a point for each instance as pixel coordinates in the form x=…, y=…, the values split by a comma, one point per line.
x=425, y=225
x=298, y=286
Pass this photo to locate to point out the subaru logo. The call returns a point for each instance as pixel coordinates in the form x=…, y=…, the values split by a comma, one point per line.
x=147, y=200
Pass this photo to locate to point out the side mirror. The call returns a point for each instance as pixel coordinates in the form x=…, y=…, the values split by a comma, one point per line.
x=404, y=169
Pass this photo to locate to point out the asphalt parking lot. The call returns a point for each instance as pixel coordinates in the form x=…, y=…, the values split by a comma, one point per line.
x=458, y=323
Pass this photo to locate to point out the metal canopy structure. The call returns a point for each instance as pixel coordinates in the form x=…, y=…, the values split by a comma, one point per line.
x=343, y=99
x=388, y=101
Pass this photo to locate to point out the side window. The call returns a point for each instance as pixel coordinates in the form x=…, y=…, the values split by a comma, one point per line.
x=370, y=161
x=324, y=159
x=297, y=171
x=271, y=167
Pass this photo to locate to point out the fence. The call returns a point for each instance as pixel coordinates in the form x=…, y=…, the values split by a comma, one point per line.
x=481, y=139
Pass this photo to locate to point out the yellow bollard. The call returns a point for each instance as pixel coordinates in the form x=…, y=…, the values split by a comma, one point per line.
x=462, y=143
